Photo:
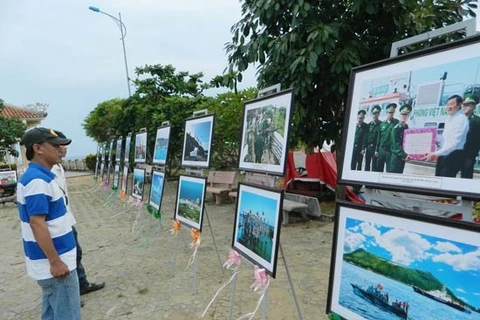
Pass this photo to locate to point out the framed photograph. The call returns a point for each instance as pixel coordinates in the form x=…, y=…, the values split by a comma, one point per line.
x=141, y=147
x=103, y=152
x=110, y=151
x=118, y=150
x=265, y=128
x=156, y=190
x=161, y=145
x=197, y=142
x=128, y=142
x=116, y=175
x=256, y=230
x=405, y=127
x=123, y=186
x=190, y=201
x=138, y=183
x=8, y=177
x=390, y=265
x=109, y=171
x=102, y=171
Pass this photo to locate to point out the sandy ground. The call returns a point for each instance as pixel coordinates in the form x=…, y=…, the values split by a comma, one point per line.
x=134, y=254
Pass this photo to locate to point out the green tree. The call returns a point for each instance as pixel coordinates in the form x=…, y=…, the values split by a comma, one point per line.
x=11, y=129
x=312, y=46
x=105, y=121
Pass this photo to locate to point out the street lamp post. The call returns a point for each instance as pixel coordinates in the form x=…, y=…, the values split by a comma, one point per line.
x=123, y=31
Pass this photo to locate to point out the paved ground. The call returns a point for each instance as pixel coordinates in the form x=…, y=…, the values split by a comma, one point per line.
x=137, y=265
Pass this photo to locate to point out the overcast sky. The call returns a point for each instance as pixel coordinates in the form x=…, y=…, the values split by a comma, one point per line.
x=59, y=52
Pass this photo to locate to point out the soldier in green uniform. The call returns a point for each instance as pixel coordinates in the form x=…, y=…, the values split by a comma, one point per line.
x=472, y=145
x=372, y=140
x=398, y=155
x=382, y=150
x=361, y=132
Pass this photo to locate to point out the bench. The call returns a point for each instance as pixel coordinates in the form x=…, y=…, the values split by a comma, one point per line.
x=289, y=206
x=255, y=178
x=220, y=183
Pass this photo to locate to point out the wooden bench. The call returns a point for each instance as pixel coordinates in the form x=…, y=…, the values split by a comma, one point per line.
x=255, y=178
x=220, y=183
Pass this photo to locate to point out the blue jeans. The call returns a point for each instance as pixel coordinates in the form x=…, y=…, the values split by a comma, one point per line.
x=82, y=276
x=61, y=298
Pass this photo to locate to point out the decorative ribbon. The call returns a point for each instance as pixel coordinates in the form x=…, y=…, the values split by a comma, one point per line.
x=261, y=282
x=105, y=186
x=123, y=195
x=138, y=203
x=154, y=212
x=175, y=227
x=233, y=259
x=196, y=239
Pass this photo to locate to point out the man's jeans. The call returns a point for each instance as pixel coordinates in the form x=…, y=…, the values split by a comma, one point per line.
x=61, y=298
x=82, y=276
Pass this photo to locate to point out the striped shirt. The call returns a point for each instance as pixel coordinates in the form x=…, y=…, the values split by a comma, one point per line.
x=39, y=194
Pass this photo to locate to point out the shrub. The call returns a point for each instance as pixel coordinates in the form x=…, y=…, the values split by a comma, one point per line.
x=90, y=161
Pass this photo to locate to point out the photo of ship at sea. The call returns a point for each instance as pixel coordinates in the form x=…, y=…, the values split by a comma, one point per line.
x=389, y=272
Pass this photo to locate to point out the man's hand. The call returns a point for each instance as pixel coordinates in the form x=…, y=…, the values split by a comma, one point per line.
x=429, y=156
x=58, y=269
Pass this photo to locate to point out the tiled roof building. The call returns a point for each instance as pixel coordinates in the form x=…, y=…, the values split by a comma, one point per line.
x=11, y=111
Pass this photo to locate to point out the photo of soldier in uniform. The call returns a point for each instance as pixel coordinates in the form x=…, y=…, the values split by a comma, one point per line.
x=372, y=140
x=398, y=156
x=265, y=133
x=360, y=143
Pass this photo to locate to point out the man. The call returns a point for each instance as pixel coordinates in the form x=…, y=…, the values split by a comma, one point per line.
x=450, y=155
x=398, y=156
x=372, y=140
x=361, y=131
x=48, y=240
x=382, y=151
x=472, y=144
x=57, y=169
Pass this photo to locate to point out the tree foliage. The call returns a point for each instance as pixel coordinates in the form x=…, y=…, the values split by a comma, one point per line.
x=104, y=121
x=11, y=129
x=312, y=46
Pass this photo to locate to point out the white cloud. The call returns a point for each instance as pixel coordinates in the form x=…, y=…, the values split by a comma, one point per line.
x=353, y=241
x=444, y=246
x=460, y=262
x=405, y=247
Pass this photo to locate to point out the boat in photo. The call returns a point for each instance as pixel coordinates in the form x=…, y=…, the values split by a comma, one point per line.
x=441, y=297
x=382, y=300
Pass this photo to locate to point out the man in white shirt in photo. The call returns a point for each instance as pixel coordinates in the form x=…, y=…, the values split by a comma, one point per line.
x=450, y=155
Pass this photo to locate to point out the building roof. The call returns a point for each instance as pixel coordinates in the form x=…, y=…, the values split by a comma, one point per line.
x=11, y=111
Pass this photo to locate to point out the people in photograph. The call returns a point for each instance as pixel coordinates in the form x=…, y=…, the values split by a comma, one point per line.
x=382, y=151
x=48, y=239
x=372, y=140
x=259, y=146
x=398, y=156
x=472, y=144
x=361, y=132
x=451, y=154
x=58, y=170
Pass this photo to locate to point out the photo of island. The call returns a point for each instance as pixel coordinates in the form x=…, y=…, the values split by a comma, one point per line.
x=161, y=145
x=141, y=147
x=198, y=142
x=156, y=190
x=386, y=270
x=190, y=199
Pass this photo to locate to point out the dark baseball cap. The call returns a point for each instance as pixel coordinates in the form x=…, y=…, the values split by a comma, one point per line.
x=40, y=135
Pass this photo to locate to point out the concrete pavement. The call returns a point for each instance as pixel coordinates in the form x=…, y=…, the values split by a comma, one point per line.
x=135, y=260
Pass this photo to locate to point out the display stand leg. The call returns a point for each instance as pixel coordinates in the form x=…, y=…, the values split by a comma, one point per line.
x=291, y=283
x=232, y=297
x=214, y=242
x=265, y=305
x=175, y=251
x=195, y=270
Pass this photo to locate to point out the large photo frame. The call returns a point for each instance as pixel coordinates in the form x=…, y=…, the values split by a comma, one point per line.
x=162, y=139
x=124, y=183
x=140, y=147
x=138, y=183
x=416, y=90
x=156, y=189
x=256, y=231
x=197, y=141
x=116, y=176
x=118, y=150
x=390, y=265
x=265, y=129
x=110, y=150
x=190, y=204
